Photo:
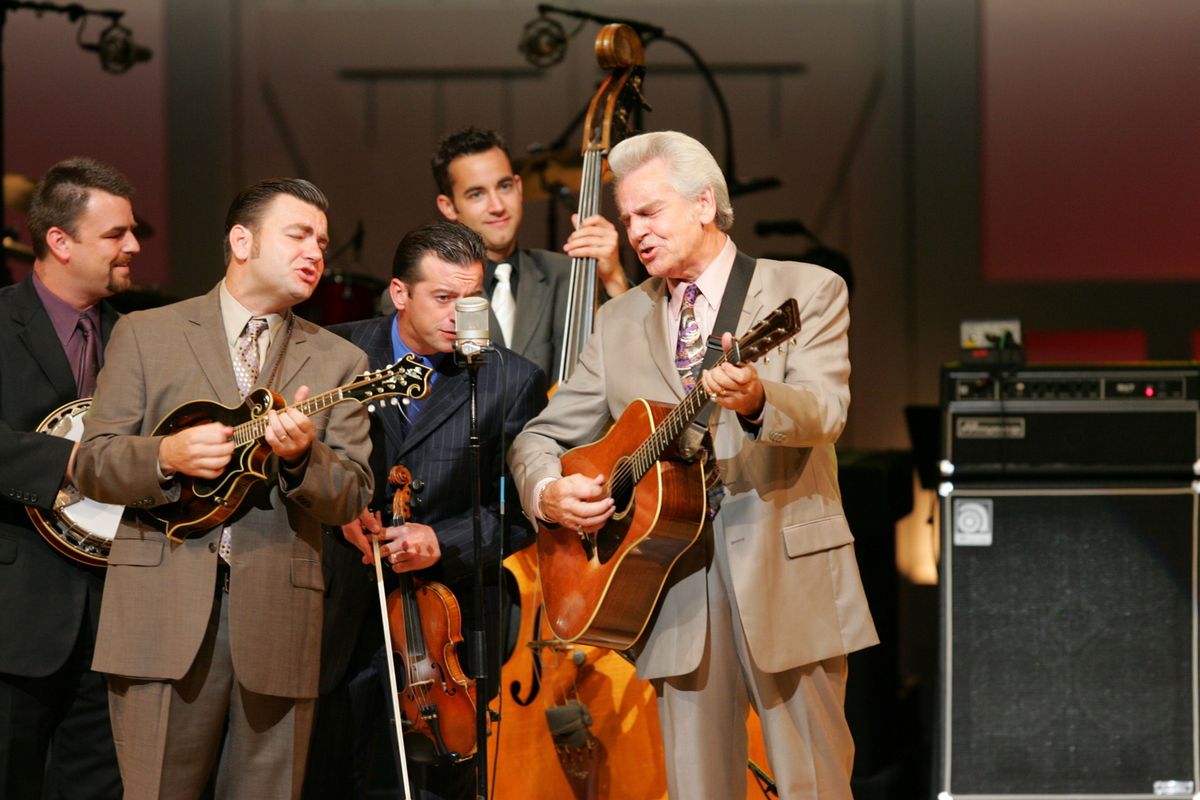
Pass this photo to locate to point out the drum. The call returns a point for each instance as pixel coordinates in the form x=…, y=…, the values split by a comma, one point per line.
x=343, y=297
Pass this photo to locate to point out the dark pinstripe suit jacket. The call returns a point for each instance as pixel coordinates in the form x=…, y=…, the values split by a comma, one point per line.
x=511, y=391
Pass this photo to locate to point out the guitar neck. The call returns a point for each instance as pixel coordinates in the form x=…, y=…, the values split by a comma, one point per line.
x=256, y=428
x=668, y=431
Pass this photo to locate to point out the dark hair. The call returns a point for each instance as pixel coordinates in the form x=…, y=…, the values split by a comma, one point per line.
x=450, y=241
x=465, y=142
x=248, y=207
x=62, y=195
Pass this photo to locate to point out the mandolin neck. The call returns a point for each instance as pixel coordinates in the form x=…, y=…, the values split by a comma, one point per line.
x=255, y=429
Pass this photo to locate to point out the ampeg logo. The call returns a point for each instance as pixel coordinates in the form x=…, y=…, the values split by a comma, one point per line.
x=972, y=522
x=989, y=428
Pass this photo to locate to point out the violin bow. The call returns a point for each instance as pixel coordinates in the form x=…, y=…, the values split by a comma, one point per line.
x=391, y=663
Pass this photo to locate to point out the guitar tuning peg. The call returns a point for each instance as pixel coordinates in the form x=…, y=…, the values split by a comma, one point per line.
x=370, y=408
x=395, y=401
x=406, y=401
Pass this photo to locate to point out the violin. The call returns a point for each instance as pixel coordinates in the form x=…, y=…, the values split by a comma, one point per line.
x=425, y=622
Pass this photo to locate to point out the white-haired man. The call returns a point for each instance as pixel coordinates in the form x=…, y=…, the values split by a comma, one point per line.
x=765, y=606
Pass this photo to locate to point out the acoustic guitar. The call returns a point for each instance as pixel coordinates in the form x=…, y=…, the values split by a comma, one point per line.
x=601, y=587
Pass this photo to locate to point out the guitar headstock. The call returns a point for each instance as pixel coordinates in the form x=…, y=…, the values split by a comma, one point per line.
x=408, y=377
x=780, y=325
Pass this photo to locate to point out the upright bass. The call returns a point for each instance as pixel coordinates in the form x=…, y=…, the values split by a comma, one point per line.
x=575, y=721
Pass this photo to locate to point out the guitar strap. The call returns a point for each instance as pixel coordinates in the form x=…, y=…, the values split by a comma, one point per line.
x=727, y=318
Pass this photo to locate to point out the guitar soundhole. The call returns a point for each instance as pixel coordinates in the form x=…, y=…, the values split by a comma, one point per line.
x=621, y=487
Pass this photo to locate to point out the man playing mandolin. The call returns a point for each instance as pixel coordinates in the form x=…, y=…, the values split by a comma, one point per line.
x=214, y=635
x=52, y=328
x=767, y=602
x=477, y=187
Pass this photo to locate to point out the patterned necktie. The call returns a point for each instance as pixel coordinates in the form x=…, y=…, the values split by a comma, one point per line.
x=689, y=350
x=85, y=379
x=504, y=305
x=245, y=362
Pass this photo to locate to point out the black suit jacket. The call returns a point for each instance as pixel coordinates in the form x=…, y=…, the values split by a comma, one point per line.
x=511, y=391
x=43, y=594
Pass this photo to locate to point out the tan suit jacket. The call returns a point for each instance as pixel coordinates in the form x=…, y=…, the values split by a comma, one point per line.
x=159, y=594
x=789, y=548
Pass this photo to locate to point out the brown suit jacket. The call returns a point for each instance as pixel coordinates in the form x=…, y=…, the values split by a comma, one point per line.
x=789, y=547
x=159, y=594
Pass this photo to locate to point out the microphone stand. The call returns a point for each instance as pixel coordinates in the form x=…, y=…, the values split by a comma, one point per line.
x=472, y=357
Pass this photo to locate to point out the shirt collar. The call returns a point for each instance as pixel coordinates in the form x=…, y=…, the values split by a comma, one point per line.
x=63, y=316
x=712, y=279
x=400, y=349
x=235, y=316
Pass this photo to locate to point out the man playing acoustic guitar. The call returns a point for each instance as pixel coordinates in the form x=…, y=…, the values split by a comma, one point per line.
x=216, y=636
x=767, y=602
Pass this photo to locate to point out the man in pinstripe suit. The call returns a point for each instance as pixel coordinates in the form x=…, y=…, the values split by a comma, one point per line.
x=434, y=266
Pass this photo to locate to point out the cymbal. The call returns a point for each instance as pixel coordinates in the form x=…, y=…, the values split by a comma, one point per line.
x=18, y=192
x=550, y=172
x=17, y=250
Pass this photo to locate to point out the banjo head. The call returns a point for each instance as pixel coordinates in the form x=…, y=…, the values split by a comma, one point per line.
x=78, y=527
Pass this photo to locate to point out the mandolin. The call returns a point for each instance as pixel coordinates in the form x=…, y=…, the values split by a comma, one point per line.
x=600, y=587
x=205, y=503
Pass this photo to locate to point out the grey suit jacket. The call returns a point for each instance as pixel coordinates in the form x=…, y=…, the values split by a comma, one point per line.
x=789, y=547
x=542, y=289
x=159, y=594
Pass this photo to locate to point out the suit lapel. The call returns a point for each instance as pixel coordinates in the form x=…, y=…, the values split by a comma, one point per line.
x=292, y=346
x=661, y=339
x=450, y=391
x=533, y=301
x=38, y=336
x=205, y=333
x=375, y=339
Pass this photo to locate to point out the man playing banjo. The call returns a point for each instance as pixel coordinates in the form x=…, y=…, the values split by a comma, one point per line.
x=52, y=328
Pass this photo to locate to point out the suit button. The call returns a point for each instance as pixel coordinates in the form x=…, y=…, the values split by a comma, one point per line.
x=212, y=547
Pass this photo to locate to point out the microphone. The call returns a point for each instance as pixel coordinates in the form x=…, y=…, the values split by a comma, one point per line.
x=471, y=336
x=543, y=42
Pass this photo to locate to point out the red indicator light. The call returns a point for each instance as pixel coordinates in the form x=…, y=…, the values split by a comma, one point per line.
x=1149, y=391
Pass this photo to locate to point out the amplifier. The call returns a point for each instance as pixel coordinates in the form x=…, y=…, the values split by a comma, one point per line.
x=1135, y=420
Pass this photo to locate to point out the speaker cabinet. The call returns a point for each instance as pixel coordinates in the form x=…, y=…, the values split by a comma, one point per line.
x=1068, y=643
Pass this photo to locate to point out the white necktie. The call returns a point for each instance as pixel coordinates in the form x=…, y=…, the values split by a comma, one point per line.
x=504, y=305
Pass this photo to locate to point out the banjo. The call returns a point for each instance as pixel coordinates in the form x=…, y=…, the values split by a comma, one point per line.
x=76, y=526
